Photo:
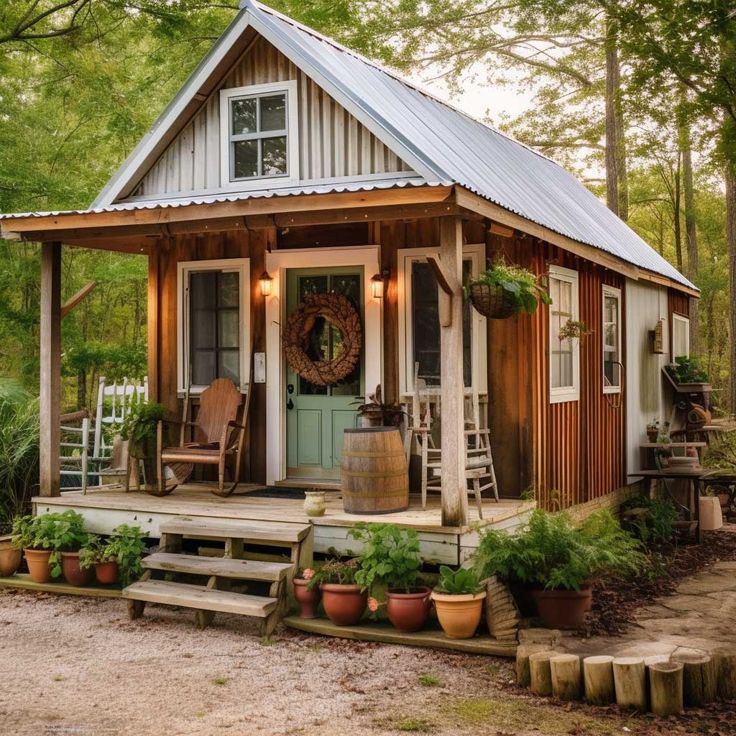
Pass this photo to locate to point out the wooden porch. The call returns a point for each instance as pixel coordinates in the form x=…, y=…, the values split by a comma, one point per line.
x=105, y=509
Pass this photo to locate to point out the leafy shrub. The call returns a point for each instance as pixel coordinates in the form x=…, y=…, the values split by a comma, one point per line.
x=652, y=520
x=126, y=546
x=58, y=532
x=390, y=556
x=336, y=571
x=93, y=552
x=553, y=553
x=139, y=427
x=463, y=581
x=687, y=370
x=19, y=441
x=520, y=284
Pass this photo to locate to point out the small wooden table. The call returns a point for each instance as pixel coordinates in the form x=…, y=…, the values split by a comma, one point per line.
x=694, y=475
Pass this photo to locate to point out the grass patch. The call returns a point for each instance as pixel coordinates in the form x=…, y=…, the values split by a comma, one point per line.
x=493, y=669
x=219, y=681
x=426, y=679
x=58, y=678
x=519, y=714
x=419, y=725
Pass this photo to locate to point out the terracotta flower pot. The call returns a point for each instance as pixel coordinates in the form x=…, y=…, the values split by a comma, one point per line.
x=73, y=573
x=38, y=564
x=408, y=611
x=459, y=615
x=10, y=558
x=563, y=609
x=344, y=604
x=106, y=572
x=307, y=599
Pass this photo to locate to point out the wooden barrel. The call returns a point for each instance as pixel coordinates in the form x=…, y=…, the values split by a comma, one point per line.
x=375, y=478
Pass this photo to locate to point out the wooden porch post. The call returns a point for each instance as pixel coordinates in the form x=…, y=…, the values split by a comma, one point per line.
x=50, y=373
x=454, y=494
x=153, y=324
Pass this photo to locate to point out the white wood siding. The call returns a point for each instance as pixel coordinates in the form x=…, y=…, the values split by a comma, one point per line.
x=332, y=142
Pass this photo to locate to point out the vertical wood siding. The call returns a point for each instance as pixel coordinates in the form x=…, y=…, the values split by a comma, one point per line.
x=332, y=142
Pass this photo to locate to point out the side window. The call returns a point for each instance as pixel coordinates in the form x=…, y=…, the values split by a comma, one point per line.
x=564, y=354
x=680, y=336
x=611, y=336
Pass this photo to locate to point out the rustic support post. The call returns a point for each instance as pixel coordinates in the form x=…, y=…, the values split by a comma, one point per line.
x=598, y=676
x=665, y=688
x=725, y=660
x=153, y=323
x=50, y=369
x=700, y=685
x=630, y=677
x=454, y=493
x=565, y=671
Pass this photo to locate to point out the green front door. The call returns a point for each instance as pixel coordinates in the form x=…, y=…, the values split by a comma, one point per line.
x=316, y=416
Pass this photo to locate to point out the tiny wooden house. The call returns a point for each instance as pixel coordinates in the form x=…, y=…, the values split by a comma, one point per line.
x=290, y=166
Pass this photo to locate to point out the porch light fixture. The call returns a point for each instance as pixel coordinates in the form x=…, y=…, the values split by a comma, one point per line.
x=377, y=286
x=265, y=281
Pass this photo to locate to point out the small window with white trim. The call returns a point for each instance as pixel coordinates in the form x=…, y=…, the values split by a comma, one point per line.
x=680, y=336
x=213, y=322
x=259, y=131
x=564, y=353
x=611, y=335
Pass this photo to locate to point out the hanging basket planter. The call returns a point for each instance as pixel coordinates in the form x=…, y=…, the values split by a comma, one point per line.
x=493, y=302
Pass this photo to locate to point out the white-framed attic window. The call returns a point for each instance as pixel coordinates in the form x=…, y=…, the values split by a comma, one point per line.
x=259, y=135
x=611, y=339
x=564, y=355
x=213, y=323
x=680, y=336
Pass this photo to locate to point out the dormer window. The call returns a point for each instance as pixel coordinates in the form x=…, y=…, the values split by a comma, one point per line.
x=259, y=134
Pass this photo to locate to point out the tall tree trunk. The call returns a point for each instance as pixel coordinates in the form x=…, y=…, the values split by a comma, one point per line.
x=617, y=188
x=691, y=231
x=730, y=177
x=676, y=209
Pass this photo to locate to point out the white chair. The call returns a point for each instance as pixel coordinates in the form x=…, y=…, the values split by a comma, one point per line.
x=74, y=448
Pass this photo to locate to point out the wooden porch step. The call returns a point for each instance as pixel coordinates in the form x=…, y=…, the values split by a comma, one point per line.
x=251, y=531
x=200, y=597
x=219, y=566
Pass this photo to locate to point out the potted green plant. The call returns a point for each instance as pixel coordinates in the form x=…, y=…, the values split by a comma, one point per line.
x=458, y=598
x=126, y=546
x=139, y=431
x=10, y=557
x=390, y=558
x=558, y=560
x=308, y=599
x=343, y=599
x=95, y=555
x=22, y=537
x=67, y=538
x=653, y=430
x=688, y=375
x=504, y=289
x=376, y=413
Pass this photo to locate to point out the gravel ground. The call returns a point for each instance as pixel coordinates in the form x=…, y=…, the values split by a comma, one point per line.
x=79, y=666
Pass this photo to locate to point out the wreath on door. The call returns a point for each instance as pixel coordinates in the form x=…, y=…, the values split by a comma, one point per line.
x=339, y=311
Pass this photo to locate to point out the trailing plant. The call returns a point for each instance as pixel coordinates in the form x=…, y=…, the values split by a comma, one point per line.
x=652, y=520
x=59, y=532
x=524, y=288
x=573, y=330
x=139, y=427
x=390, y=556
x=463, y=581
x=336, y=571
x=126, y=547
x=687, y=370
x=552, y=552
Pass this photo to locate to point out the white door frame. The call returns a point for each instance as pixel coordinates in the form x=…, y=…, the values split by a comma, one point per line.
x=277, y=263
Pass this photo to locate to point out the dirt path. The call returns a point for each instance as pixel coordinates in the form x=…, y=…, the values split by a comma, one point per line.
x=78, y=666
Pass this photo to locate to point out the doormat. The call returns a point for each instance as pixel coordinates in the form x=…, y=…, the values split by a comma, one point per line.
x=293, y=493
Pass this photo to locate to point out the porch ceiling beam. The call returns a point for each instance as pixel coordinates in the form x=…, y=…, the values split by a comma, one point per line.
x=502, y=216
x=50, y=224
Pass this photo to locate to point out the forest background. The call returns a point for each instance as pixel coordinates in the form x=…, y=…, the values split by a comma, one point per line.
x=637, y=97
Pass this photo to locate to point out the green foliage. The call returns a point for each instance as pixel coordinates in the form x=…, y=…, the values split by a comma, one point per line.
x=336, y=571
x=58, y=532
x=126, y=546
x=19, y=433
x=554, y=553
x=390, y=556
x=721, y=451
x=24, y=532
x=139, y=426
x=652, y=520
x=520, y=284
x=463, y=581
x=94, y=551
x=687, y=370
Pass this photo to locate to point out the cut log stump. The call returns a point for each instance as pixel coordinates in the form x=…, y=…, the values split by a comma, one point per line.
x=725, y=660
x=629, y=677
x=540, y=672
x=699, y=681
x=598, y=677
x=523, y=652
x=665, y=688
x=565, y=674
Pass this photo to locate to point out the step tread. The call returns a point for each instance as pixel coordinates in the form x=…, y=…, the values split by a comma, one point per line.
x=220, y=566
x=261, y=531
x=197, y=596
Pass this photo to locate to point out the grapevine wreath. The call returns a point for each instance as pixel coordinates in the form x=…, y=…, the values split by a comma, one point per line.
x=339, y=312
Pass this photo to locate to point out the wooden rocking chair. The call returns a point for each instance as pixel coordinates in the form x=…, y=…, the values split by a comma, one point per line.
x=219, y=434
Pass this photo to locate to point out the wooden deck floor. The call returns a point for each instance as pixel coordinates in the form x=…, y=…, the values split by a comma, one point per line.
x=105, y=509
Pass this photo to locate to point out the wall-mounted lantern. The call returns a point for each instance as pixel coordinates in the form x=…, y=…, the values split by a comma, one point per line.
x=265, y=282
